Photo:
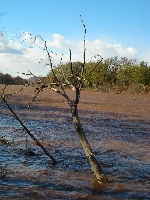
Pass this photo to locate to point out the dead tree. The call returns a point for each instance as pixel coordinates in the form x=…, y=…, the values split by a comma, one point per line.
x=75, y=81
x=61, y=83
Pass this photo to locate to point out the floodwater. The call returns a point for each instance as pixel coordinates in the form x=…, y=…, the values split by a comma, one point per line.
x=120, y=143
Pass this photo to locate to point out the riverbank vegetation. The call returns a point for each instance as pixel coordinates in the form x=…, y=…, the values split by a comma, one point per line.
x=113, y=74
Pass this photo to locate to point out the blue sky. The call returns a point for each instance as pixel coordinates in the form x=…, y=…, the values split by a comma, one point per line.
x=114, y=28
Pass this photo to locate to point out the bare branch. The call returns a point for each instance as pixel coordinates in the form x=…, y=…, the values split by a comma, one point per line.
x=31, y=74
x=29, y=133
x=84, y=47
x=39, y=90
x=93, y=69
x=71, y=63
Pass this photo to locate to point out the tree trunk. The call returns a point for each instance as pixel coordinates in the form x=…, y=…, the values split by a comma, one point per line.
x=88, y=151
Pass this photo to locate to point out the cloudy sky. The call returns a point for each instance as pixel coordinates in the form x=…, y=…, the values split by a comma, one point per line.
x=114, y=28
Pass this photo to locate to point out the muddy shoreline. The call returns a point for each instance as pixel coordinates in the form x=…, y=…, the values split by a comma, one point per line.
x=127, y=104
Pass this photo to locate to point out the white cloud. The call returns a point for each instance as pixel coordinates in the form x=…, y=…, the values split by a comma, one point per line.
x=110, y=50
x=10, y=47
x=58, y=41
x=17, y=56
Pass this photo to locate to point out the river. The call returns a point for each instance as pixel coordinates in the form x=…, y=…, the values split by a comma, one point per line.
x=120, y=143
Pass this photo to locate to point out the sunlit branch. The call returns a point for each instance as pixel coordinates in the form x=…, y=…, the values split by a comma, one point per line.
x=84, y=47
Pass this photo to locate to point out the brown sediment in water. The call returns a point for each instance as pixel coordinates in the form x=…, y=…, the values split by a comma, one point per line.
x=117, y=126
x=124, y=103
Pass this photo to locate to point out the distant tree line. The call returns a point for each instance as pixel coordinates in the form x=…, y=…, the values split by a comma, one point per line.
x=113, y=74
x=8, y=79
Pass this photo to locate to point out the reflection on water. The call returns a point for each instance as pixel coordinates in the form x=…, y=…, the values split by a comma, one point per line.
x=120, y=144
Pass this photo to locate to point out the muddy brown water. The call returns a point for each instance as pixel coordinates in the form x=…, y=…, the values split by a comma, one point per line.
x=117, y=127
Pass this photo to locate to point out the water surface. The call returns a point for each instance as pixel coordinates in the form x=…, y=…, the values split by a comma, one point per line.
x=120, y=143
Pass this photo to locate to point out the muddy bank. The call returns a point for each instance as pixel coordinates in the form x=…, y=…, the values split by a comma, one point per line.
x=129, y=104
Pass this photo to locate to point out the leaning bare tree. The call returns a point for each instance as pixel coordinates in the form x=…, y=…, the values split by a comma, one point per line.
x=62, y=81
x=74, y=80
